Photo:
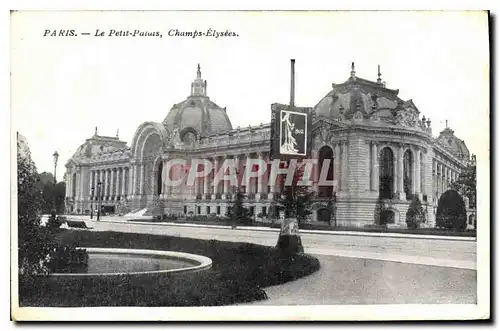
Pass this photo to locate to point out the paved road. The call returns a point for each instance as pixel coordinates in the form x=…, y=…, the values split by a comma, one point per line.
x=354, y=269
x=434, y=252
x=342, y=280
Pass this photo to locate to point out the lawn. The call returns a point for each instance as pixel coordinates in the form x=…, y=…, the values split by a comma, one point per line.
x=238, y=274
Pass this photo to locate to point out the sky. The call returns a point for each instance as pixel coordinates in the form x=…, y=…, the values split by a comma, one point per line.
x=63, y=87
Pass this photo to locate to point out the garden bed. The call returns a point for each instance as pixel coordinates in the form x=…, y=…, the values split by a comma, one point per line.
x=326, y=227
x=238, y=274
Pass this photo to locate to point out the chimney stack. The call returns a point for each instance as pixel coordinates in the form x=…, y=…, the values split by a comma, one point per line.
x=292, y=83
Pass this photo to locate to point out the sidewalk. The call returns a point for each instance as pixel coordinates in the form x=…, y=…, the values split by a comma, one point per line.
x=267, y=229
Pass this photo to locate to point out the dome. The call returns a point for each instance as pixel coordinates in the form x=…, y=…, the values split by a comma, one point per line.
x=98, y=145
x=197, y=114
x=453, y=144
x=358, y=94
x=370, y=102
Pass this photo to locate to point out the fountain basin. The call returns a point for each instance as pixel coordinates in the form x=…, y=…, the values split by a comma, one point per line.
x=120, y=262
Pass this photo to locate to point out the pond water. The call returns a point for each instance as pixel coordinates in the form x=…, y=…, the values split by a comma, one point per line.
x=121, y=263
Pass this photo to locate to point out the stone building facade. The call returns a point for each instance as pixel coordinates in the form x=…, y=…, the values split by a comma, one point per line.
x=381, y=150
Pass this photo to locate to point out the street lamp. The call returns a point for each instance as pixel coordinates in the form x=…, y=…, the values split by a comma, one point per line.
x=92, y=203
x=99, y=186
x=56, y=157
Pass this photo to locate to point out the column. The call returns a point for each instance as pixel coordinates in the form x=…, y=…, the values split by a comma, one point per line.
x=206, y=185
x=91, y=181
x=106, y=183
x=117, y=184
x=124, y=170
x=374, y=167
x=100, y=179
x=396, y=176
x=401, y=194
x=132, y=179
x=418, y=174
x=247, y=179
x=68, y=183
x=112, y=184
x=227, y=191
x=336, y=167
x=344, y=175
x=439, y=179
x=435, y=178
x=260, y=181
x=442, y=179
x=314, y=172
x=214, y=173
x=141, y=179
x=96, y=180
x=197, y=183
x=237, y=159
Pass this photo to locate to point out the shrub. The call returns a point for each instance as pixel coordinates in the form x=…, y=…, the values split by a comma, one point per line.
x=451, y=212
x=415, y=214
x=67, y=259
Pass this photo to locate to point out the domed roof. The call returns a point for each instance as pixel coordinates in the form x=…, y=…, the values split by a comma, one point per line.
x=453, y=144
x=98, y=145
x=197, y=114
x=362, y=100
x=358, y=94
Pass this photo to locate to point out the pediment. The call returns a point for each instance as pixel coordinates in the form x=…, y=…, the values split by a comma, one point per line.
x=324, y=128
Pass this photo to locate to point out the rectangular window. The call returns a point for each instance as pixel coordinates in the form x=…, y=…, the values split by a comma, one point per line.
x=218, y=210
x=252, y=210
x=264, y=210
x=185, y=209
x=198, y=210
x=208, y=210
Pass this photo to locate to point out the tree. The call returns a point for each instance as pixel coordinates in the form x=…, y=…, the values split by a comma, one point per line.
x=33, y=243
x=38, y=252
x=415, y=214
x=51, y=193
x=296, y=202
x=239, y=213
x=451, y=213
x=466, y=183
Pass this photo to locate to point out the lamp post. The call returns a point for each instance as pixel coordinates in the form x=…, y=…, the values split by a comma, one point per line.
x=99, y=186
x=92, y=203
x=56, y=157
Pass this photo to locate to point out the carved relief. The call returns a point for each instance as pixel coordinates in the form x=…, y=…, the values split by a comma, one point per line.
x=358, y=116
x=407, y=118
x=375, y=118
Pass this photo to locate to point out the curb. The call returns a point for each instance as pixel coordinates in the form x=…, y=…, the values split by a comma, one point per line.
x=318, y=232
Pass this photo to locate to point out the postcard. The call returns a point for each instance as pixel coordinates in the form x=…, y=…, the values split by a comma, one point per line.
x=250, y=165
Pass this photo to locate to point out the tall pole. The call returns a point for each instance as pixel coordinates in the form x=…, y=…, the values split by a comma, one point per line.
x=99, y=184
x=292, y=82
x=56, y=157
x=92, y=203
x=289, y=241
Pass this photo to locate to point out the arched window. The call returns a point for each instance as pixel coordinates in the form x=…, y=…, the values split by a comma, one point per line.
x=407, y=173
x=159, y=182
x=386, y=175
x=325, y=153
